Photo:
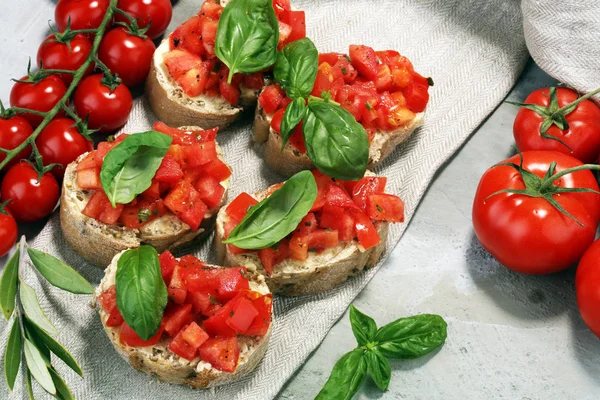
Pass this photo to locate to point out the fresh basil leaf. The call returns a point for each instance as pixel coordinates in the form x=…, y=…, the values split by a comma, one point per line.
x=379, y=368
x=278, y=215
x=128, y=168
x=296, y=68
x=8, y=285
x=346, y=377
x=37, y=367
x=58, y=273
x=411, y=337
x=39, y=336
x=28, y=384
x=12, y=354
x=292, y=116
x=62, y=390
x=247, y=36
x=32, y=309
x=141, y=290
x=335, y=142
x=363, y=326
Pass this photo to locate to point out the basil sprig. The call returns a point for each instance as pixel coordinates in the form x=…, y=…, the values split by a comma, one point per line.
x=404, y=338
x=296, y=68
x=276, y=216
x=247, y=36
x=129, y=167
x=141, y=290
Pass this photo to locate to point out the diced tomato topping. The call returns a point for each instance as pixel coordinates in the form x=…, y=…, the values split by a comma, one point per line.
x=169, y=171
x=211, y=191
x=186, y=136
x=175, y=317
x=89, y=179
x=209, y=34
x=200, y=154
x=216, y=325
x=270, y=257
x=167, y=265
x=337, y=218
x=323, y=182
x=299, y=247
x=364, y=229
x=276, y=120
x=228, y=227
x=260, y=325
x=417, y=96
x=242, y=316
x=297, y=22
x=188, y=37
x=336, y=196
x=307, y=225
x=238, y=208
x=88, y=162
x=363, y=58
x=255, y=81
x=324, y=80
x=281, y=5
x=99, y=207
x=184, y=201
x=385, y=207
x=128, y=337
x=193, y=335
x=285, y=30
x=108, y=301
x=365, y=187
x=297, y=138
x=231, y=281
x=221, y=353
x=323, y=239
x=329, y=58
x=202, y=302
x=176, y=289
x=217, y=169
x=270, y=98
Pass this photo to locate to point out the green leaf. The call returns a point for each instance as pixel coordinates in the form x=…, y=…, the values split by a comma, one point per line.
x=296, y=68
x=128, y=168
x=292, y=116
x=363, y=326
x=346, y=377
x=247, y=36
x=335, y=142
x=12, y=354
x=62, y=390
x=28, y=384
x=32, y=309
x=54, y=346
x=58, y=273
x=411, y=337
x=141, y=290
x=8, y=285
x=379, y=368
x=38, y=368
x=37, y=341
x=276, y=216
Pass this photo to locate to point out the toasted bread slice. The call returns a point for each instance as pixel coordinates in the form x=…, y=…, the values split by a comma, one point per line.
x=172, y=106
x=291, y=161
x=320, y=273
x=98, y=243
x=160, y=362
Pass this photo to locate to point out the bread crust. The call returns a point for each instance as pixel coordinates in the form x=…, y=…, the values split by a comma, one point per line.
x=163, y=364
x=98, y=243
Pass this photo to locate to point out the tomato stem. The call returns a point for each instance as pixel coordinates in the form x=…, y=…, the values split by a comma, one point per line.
x=547, y=183
x=573, y=104
x=61, y=105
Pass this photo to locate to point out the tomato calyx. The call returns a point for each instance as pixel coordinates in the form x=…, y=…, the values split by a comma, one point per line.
x=133, y=28
x=39, y=166
x=110, y=80
x=544, y=187
x=3, y=207
x=553, y=114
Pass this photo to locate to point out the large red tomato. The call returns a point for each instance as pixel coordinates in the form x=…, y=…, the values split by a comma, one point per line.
x=587, y=285
x=84, y=14
x=30, y=199
x=108, y=109
x=53, y=54
x=61, y=143
x=14, y=131
x=39, y=96
x=127, y=55
x=8, y=231
x=526, y=232
x=581, y=133
x=158, y=12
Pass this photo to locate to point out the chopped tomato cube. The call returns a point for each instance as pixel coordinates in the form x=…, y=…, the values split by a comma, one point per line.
x=186, y=136
x=108, y=299
x=297, y=21
x=260, y=325
x=228, y=227
x=266, y=257
x=153, y=193
x=329, y=58
x=345, y=69
x=175, y=317
x=323, y=182
x=323, y=239
x=129, y=337
x=176, y=289
x=231, y=281
x=115, y=319
x=230, y=91
x=200, y=154
x=383, y=80
x=169, y=171
x=297, y=138
x=209, y=34
x=324, y=80
x=239, y=207
x=217, y=169
x=188, y=37
x=285, y=30
x=167, y=265
x=222, y=353
x=307, y=225
x=363, y=58
x=336, y=196
x=182, y=348
x=242, y=316
x=416, y=96
x=99, y=207
x=365, y=230
x=337, y=218
x=88, y=162
x=276, y=120
x=203, y=302
x=270, y=98
x=365, y=187
x=184, y=201
x=89, y=179
x=211, y=10
x=299, y=246
x=255, y=81
x=281, y=5
x=216, y=325
x=193, y=335
x=385, y=207
x=211, y=191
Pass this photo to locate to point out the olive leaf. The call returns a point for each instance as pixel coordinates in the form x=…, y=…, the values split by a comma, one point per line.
x=28, y=384
x=8, y=285
x=346, y=377
x=32, y=309
x=292, y=116
x=62, y=390
x=276, y=216
x=54, y=346
x=12, y=354
x=58, y=273
x=37, y=367
x=296, y=68
x=141, y=290
x=128, y=168
x=247, y=36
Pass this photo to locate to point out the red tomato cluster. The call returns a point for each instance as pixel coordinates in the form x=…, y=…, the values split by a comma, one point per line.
x=537, y=212
x=207, y=309
x=187, y=183
x=192, y=62
x=343, y=211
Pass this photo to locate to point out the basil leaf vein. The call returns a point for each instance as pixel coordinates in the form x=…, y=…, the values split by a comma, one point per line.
x=58, y=273
x=335, y=142
x=296, y=68
x=8, y=285
x=276, y=216
x=379, y=368
x=129, y=167
x=292, y=116
x=141, y=290
x=346, y=377
x=363, y=326
x=247, y=36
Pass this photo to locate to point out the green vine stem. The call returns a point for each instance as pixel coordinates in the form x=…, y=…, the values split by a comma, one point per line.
x=61, y=105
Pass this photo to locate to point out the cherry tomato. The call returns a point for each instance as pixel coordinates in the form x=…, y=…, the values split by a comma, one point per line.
x=108, y=109
x=587, y=286
x=582, y=135
x=84, y=14
x=14, y=131
x=61, y=143
x=31, y=199
x=127, y=55
x=55, y=55
x=39, y=96
x=159, y=12
x=528, y=234
x=8, y=232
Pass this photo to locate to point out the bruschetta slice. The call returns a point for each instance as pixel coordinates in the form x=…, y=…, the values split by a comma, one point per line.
x=187, y=191
x=379, y=88
x=344, y=232
x=215, y=327
x=187, y=84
